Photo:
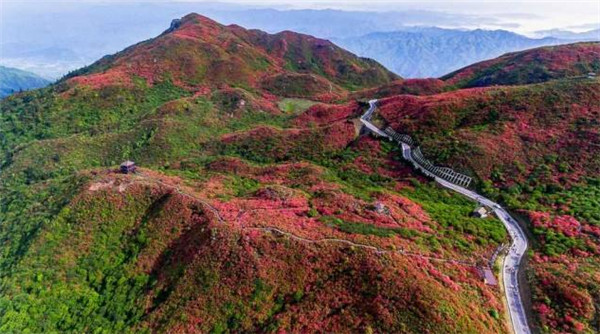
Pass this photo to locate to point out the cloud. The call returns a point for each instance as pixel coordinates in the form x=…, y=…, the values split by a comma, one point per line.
x=521, y=16
x=585, y=26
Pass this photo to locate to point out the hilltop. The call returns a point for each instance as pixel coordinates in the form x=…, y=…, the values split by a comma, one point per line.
x=199, y=53
x=530, y=66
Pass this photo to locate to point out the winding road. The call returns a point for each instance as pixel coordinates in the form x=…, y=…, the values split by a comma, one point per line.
x=512, y=260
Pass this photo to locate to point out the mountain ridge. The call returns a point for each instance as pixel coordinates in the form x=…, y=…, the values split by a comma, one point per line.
x=232, y=55
x=531, y=66
x=433, y=52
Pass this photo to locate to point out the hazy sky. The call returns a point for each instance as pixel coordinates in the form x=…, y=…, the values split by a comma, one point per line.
x=50, y=37
x=519, y=16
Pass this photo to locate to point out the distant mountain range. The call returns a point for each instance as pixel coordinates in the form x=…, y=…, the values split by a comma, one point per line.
x=433, y=52
x=14, y=80
x=66, y=39
x=592, y=35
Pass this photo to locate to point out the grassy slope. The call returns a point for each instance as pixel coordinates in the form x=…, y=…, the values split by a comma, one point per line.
x=202, y=54
x=144, y=257
x=409, y=86
x=530, y=66
x=534, y=147
x=536, y=124
x=84, y=254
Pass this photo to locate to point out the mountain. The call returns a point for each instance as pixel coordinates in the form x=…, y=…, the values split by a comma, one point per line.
x=433, y=52
x=531, y=66
x=197, y=51
x=14, y=80
x=535, y=148
x=428, y=86
x=259, y=204
x=591, y=35
x=250, y=211
x=68, y=36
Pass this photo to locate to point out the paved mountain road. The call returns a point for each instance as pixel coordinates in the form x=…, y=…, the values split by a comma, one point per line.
x=512, y=260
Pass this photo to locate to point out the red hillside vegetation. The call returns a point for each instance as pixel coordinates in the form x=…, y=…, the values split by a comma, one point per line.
x=534, y=148
x=530, y=66
x=506, y=129
x=258, y=207
x=409, y=86
x=197, y=52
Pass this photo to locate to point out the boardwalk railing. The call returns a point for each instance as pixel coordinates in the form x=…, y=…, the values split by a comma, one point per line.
x=445, y=173
x=399, y=137
x=458, y=182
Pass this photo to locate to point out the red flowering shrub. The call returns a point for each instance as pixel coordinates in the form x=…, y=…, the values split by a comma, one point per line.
x=324, y=114
x=200, y=53
x=515, y=136
x=529, y=66
x=564, y=224
x=427, y=86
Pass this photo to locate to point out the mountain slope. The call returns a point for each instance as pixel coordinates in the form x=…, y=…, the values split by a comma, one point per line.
x=535, y=148
x=231, y=66
x=14, y=80
x=198, y=51
x=531, y=66
x=532, y=122
x=433, y=52
x=249, y=212
x=410, y=86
